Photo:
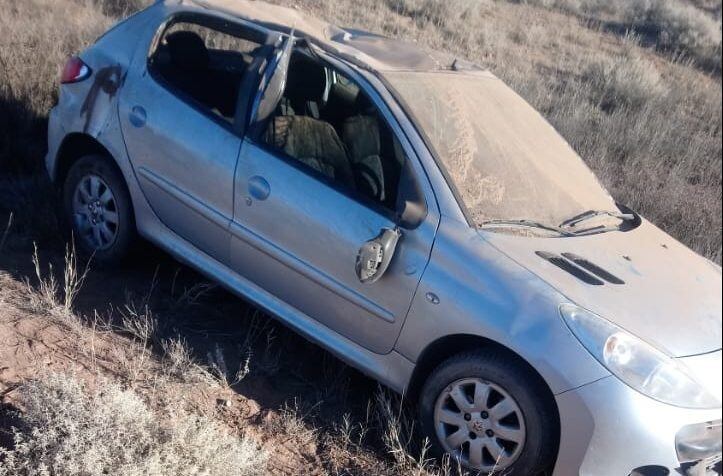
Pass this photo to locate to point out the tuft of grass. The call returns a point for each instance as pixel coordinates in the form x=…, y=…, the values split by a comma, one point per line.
x=67, y=428
x=628, y=81
x=48, y=295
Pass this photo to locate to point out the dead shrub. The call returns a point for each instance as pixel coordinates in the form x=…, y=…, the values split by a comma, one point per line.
x=68, y=429
x=623, y=81
x=678, y=27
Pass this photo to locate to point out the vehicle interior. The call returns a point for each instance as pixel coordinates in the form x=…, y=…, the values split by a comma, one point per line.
x=326, y=121
x=206, y=64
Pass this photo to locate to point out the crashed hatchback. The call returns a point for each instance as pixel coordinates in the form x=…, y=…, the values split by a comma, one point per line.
x=410, y=213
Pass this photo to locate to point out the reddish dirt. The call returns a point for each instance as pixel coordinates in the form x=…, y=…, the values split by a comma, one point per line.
x=286, y=370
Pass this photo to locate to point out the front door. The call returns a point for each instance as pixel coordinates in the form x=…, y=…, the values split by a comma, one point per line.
x=299, y=226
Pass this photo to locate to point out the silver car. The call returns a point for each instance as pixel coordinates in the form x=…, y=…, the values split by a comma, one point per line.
x=410, y=213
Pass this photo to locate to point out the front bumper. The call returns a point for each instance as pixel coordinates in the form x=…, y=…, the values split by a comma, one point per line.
x=609, y=429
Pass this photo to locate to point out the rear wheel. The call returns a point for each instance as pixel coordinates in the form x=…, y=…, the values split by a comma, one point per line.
x=487, y=412
x=98, y=209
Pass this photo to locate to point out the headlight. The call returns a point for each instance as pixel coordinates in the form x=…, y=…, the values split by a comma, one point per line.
x=635, y=362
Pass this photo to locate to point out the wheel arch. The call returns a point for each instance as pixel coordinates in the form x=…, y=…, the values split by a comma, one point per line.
x=73, y=147
x=445, y=347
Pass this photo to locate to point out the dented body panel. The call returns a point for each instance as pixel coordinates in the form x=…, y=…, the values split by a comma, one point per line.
x=194, y=186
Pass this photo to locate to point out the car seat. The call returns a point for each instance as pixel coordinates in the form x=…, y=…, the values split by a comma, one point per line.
x=362, y=139
x=314, y=143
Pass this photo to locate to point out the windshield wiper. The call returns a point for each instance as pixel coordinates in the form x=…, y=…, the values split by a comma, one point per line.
x=577, y=219
x=525, y=224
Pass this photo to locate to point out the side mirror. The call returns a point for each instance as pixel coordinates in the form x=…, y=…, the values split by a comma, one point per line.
x=376, y=254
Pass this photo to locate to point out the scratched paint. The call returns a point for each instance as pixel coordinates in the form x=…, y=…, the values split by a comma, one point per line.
x=97, y=104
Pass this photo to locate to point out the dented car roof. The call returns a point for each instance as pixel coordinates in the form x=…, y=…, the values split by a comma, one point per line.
x=376, y=52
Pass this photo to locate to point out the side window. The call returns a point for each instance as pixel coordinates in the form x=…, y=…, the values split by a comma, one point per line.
x=326, y=122
x=204, y=65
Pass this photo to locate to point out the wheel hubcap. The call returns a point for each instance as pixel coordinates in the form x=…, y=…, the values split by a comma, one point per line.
x=95, y=213
x=479, y=423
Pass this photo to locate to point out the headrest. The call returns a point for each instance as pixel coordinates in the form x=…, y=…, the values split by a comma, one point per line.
x=307, y=80
x=364, y=105
x=187, y=50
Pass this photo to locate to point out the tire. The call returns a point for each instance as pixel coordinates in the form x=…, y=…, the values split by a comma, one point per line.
x=503, y=380
x=102, y=226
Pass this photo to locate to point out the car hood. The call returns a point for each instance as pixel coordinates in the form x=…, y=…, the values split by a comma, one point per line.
x=670, y=296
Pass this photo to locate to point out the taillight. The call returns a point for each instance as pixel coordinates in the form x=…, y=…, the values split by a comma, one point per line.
x=74, y=70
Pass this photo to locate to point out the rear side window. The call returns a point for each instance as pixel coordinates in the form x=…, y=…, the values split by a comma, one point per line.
x=204, y=66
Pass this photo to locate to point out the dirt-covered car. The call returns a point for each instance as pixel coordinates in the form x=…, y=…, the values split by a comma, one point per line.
x=410, y=213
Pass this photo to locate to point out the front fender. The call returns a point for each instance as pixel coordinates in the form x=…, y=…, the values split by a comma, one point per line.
x=479, y=291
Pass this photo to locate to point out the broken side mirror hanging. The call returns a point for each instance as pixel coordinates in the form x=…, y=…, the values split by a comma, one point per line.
x=375, y=255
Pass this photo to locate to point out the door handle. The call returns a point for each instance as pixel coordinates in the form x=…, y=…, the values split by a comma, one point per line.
x=375, y=255
x=138, y=116
x=259, y=188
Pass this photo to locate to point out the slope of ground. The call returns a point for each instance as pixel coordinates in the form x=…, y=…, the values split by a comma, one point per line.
x=643, y=107
x=183, y=345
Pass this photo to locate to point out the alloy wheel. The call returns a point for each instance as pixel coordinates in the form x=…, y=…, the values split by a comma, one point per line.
x=480, y=424
x=95, y=213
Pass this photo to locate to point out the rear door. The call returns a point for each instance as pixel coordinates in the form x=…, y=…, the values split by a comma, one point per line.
x=180, y=116
x=298, y=234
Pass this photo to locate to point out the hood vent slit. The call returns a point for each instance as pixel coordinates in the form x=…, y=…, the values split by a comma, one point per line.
x=574, y=270
x=593, y=268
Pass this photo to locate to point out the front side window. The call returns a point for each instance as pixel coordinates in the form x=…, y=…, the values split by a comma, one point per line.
x=206, y=66
x=328, y=125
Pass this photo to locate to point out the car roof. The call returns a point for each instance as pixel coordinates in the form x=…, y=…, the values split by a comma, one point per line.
x=373, y=51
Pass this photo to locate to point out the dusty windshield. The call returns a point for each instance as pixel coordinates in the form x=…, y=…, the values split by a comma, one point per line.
x=505, y=160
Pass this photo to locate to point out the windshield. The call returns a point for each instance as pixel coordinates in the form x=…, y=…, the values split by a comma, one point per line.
x=504, y=159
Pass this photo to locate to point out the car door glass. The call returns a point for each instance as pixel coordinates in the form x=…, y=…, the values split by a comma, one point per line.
x=273, y=83
x=204, y=66
x=328, y=125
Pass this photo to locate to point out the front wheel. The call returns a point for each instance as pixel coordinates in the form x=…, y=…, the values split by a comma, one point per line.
x=489, y=412
x=97, y=206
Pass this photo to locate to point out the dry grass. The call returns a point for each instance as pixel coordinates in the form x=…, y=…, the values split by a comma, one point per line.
x=69, y=429
x=49, y=295
x=674, y=27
